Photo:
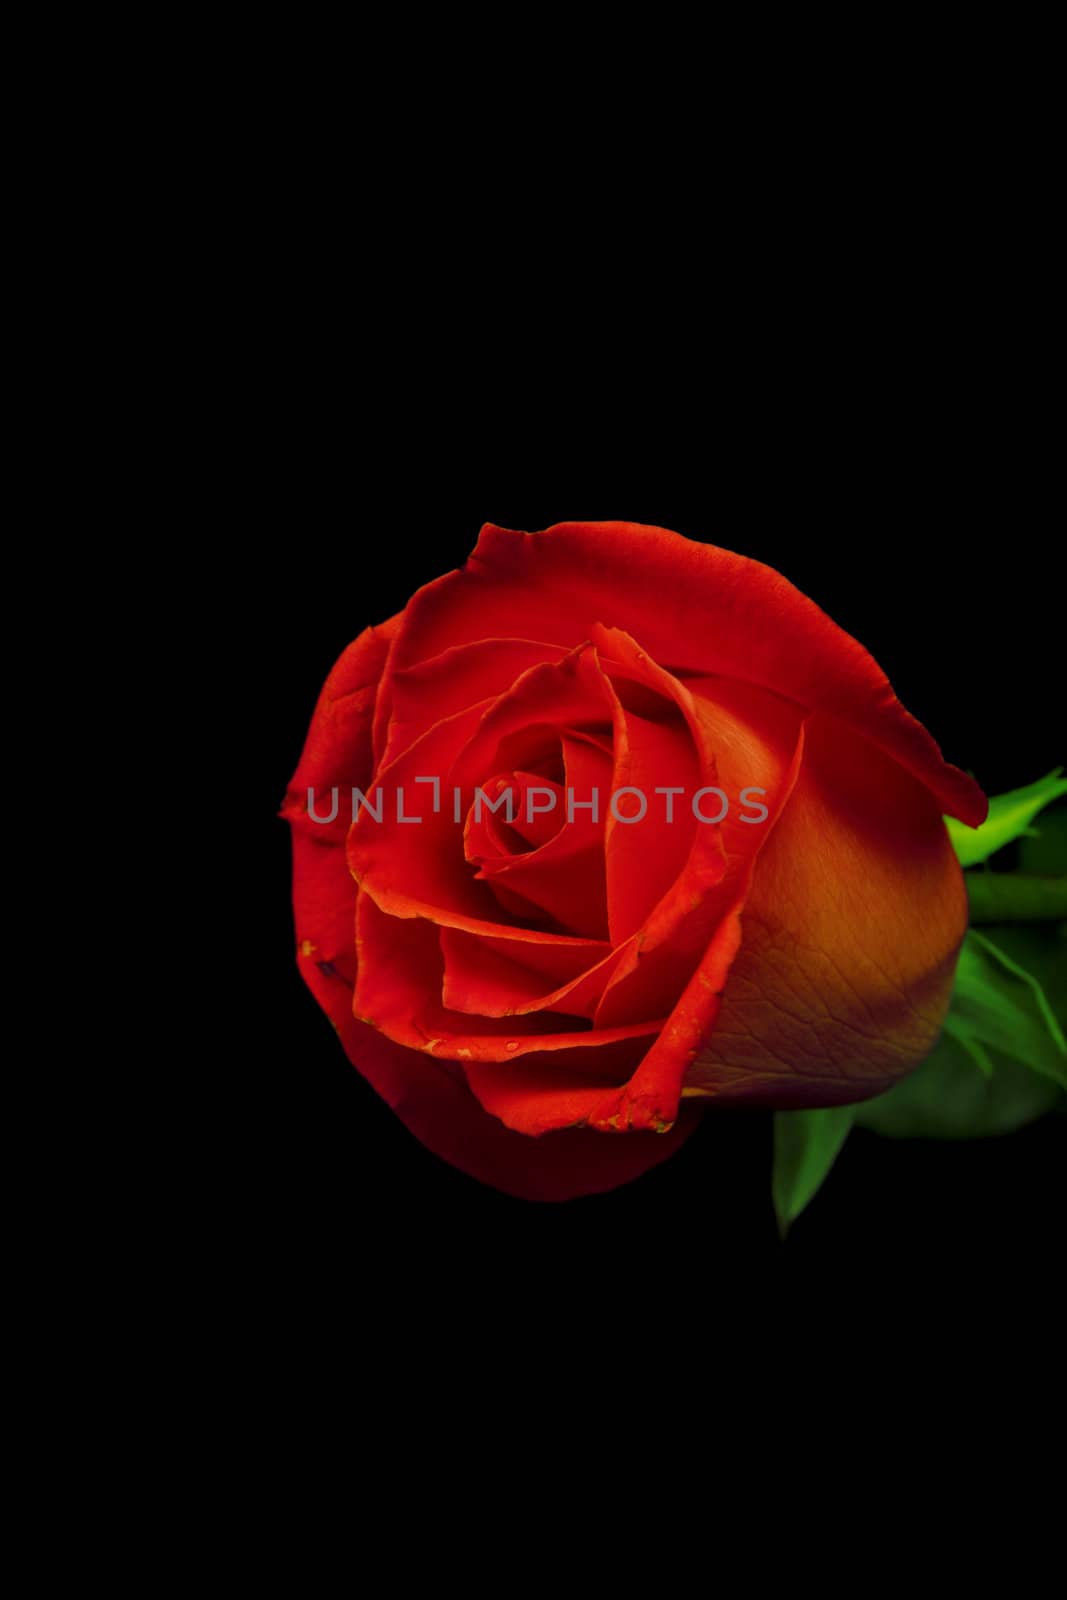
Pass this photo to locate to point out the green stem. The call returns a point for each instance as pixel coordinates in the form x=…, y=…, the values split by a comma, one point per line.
x=1015, y=897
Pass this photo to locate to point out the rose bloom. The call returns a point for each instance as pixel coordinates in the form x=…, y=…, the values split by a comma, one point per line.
x=550, y=1003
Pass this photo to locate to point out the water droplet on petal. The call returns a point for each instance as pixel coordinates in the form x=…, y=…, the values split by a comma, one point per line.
x=512, y=1044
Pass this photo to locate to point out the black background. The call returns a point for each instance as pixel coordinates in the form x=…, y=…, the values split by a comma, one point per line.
x=904, y=485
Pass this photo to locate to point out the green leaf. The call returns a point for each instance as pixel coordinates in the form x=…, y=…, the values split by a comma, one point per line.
x=1044, y=850
x=949, y=1098
x=806, y=1144
x=1000, y=1004
x=1002, y=1060
x=1015, y=897
x=1040, y=948
x=1010, y=815
x=974, y=1047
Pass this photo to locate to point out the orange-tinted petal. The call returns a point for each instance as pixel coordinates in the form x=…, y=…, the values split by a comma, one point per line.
x=852, y=929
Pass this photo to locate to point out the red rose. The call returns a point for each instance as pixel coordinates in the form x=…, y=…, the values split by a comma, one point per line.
x=547, y=1002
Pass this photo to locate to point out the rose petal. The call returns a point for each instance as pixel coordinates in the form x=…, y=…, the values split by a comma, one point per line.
x=538, y=1096
x=434, y=1101
x=651, y=1098
x=397, y=988
x=431, y=1097
x=337, y=750
x=430, y=690
x=417, y=867
x=644, y=856
x=755, y=736
x=852, y=928
x=490, y=838
x=491, y=977
x=564, y=877
x=694, y=607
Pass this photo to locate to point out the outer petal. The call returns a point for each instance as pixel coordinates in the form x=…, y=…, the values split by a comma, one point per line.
x=852, y=929
x=439, y=1108
x=695, y=608
x=337, y=750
